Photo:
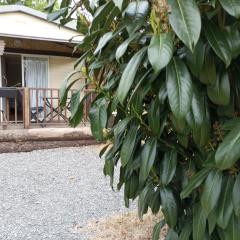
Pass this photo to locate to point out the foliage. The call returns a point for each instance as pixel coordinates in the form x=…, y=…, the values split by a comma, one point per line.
x=39, y=5
x=166, y=77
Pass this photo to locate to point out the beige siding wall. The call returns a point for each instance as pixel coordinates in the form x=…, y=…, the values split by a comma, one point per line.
x=59, y=68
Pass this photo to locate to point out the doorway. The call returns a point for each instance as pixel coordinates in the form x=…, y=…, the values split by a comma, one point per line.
x=11, y=66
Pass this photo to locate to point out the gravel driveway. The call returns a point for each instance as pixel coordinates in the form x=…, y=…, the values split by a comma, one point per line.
x=51, y=194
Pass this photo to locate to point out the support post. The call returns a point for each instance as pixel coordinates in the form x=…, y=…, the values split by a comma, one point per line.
x=26, y=105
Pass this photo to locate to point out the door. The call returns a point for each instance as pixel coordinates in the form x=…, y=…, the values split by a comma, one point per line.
x=36, y=77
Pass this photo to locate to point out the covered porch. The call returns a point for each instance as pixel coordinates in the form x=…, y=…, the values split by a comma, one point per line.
x=24, y=107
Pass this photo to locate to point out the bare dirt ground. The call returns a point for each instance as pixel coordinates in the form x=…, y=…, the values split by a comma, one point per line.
x=10, y=147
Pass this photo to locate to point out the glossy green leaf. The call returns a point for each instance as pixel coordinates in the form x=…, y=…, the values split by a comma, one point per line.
x=186, y=21
x=123, y=47
x=232, y=7
x=195, y=182
x=212, y=220
x=211, y=191
x=218, y=41
x=160, y=51
x=131, y=186
x=128, y=145
x=228, y=151
x=179, y=88
x=195, y=59
x=236, y=196
x=219, y=93
x=157, y=230
x=129, y=73
x=186, y=232
x=98, y=118
x=199, y=223
x=233, y=38
x=232, y=232
x=169, y=206
x=208, y=75
x=198, y=108
x=225, y=208
x=103, y=42
x=168, y=167
x=154, y=117
x=148, y=156
x=171, y=235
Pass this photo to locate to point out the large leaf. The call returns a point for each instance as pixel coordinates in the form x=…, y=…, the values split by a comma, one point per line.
x=147, y=159
x=235, y=196
x=128, y=145
x=103, y=42
x=225, y=204
x=169, y=206
x=98, y=118
x=199, y=223
x=194, y=182
x=168, y=167
x=123, y=47
x=186, y=21
x=219, y=93
x=154, y=116
x=218, y=41
x=208, y=75
x=233, y=37
x=160, y=51
x=211, y=191
x=195, y=59
x=232, y=232
x=232, y=7
x=137, y=9
x=156, y=230
x=129, y=73
x=228, y=151
x=131, y=186
x=179, y=88
x=186, y=232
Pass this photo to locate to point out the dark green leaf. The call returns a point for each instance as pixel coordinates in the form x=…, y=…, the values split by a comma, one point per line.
x=218, y=41
x=211, y=191
x=236, y=196
x=137, y=9
x=103, y=42
x=147, y=159
x=128, y=145
x=195, y=182
x=123, y=47
x=129, y=74
x=131, y=186
x=186, y=21
x=98, y=118
x=168, y=167
x=225, y=207
x=185, y=232
x=228, y=151
x=169, y=206
x=179, y=88
x=232, y=7
x=160, y=51
x=219, y=93
x=199, y=223
x=154, y=117
x=156, y=230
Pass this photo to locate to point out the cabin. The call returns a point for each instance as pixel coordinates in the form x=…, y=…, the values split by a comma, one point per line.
x=35, y=58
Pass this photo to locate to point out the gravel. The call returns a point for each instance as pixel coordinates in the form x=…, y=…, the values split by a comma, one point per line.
x=52, y=194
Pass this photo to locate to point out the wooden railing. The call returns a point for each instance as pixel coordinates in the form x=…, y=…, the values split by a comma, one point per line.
x=40, y=107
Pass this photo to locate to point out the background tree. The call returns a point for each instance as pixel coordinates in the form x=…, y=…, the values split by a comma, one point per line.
x=168, y=71
x=39, y=5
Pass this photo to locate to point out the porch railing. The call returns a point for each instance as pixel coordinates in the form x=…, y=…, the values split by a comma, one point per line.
x=37, y=107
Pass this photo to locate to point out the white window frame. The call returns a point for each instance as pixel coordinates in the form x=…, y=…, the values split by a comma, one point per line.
x=22, y=63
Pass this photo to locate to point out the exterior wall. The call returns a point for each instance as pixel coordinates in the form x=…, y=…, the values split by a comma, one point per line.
x=59, y=68
x=22, y=25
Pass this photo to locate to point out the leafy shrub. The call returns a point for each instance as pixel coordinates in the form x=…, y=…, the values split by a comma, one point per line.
x=169, y=73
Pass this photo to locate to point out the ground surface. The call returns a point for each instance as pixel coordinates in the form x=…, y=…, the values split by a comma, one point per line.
x=52, y=194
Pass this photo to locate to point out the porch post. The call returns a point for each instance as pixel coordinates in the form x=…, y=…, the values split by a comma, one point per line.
x=26, y=107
